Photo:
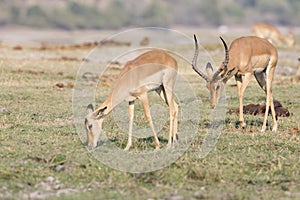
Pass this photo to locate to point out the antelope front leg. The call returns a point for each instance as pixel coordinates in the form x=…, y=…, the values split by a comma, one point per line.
x=269, y=101
x=241, y=85
x=131, y=116
x=145, y=102
x=239, y=81
x=173, y=106
x=175, y=130
x=173, y=119
x=275, y=124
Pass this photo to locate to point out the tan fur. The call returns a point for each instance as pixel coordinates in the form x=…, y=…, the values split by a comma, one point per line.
x=153, y=70
x=247, y=56
x=271, y=33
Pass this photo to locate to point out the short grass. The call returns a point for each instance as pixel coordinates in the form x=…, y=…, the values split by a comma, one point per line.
x=38, y=140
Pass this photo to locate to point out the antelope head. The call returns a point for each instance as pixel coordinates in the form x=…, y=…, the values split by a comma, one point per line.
x=215, y=82
x=291, y=38
x=93, y=124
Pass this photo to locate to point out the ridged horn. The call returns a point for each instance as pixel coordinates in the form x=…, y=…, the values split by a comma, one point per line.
x=225, y=63
x=194, y=63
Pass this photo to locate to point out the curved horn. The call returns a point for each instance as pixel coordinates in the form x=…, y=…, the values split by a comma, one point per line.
x=194, y=63
x=225, y=63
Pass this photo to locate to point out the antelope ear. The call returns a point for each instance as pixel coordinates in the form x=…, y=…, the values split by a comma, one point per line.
x=228, y=75
x=101, y=112
x=90, y=109
x=209, y=70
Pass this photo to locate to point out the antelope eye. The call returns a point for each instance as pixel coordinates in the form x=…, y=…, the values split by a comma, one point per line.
x=90, y=126
x=218, y=87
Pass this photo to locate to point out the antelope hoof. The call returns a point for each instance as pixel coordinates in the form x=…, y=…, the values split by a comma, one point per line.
x=175, y=139
x=157, y=147
x=263, y=130
x=274, y=129
x=169, y=145
x=243, y=125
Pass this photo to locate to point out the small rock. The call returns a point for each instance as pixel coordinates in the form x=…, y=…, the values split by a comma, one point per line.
x=66, y=191
x=59, y=85
x=70, y=85
x=294, y=130
x=36, y=195
x=145, y=41
x=2, y=109
x=49, y=179
x=60, y=168
x=199, y=195
x=57, y=186
x=176, y=197
x=17, y=47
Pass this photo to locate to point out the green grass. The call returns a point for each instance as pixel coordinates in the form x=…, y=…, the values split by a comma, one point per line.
x=38, y=140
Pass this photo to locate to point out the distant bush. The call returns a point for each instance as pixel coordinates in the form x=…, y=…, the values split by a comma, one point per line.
x=116, y=15
x=120, y=13
x=36, y=16
x=156, y=14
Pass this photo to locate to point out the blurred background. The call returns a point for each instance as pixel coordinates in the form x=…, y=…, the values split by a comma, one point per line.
x=116, y=14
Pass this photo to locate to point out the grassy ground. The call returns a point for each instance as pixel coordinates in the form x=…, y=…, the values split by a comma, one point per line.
x=42, y=156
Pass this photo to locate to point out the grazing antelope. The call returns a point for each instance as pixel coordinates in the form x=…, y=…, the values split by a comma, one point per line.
x=272, y=34
x=154, y=70
x=245, y=57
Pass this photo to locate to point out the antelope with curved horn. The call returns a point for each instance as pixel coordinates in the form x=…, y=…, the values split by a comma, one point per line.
x=154, y=70
x=272, y=34
x=246, y=56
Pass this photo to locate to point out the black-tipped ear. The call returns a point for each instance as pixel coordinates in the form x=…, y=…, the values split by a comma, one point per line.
x=209, y=70
x=101, y=112
x=209, y=67
x=90, y=108
x=228, y=75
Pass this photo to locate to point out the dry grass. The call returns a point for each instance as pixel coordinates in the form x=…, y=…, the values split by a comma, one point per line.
x=43, y=157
